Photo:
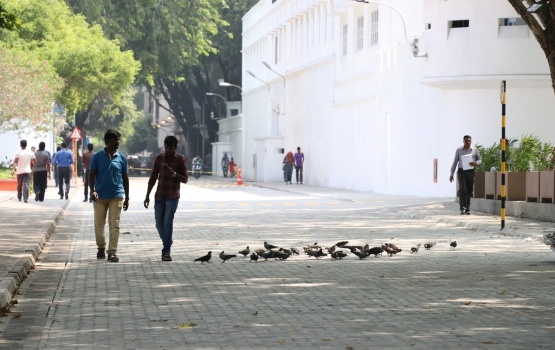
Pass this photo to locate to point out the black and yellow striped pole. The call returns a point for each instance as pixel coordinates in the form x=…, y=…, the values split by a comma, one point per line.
x=503, y=148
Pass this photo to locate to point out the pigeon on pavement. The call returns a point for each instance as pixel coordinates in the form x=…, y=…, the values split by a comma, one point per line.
x=339, y=254
x=415, y=249
x=360, y=255
x=245, y=252
x=254, y=257
x=225, y=257
x=269, y=246
x=204, y=259
x=453, y=245
x=375, y=251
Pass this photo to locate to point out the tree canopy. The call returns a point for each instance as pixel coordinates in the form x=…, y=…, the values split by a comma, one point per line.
x=182, y=54
x=91, y=66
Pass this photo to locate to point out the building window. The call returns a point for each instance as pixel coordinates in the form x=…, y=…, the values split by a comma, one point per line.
x=511, y=22
x=360, y=33
x=344, y=37
x=462, y=23
x=374, y=28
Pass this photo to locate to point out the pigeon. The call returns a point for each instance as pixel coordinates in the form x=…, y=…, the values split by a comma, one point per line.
x=266, y=255
x=225, y=257
x=281, y=255
x=295, y=251
x=254, y=257
x=453, y=245
x=341, y=244
x=331, y=249
x=366, y=248
x=415, y=249
x=392, y=246
x=390, y=251
x=260, y=251
x=315, y=245
x=429, y=245
x=360, y=255
x=319, y=253
x=351, y=248
x=339, y=254
x=286, y=251
x=245, y=252
x=204, y=259
x=269, y=246
x=375, y=251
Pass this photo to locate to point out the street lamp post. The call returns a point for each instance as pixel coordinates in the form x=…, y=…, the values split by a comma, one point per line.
x=223, y=98
x=284, y=95
x=391, y=7
x=224, y=84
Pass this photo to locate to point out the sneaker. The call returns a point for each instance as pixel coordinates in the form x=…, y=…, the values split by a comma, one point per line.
x=462, y=212
x=166, y=257
x=113, y=258
x=85, y=200
x=101, y=253
x=467, y=212
x=67, y=194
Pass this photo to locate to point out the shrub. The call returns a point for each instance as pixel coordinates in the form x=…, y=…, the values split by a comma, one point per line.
x=530, y=154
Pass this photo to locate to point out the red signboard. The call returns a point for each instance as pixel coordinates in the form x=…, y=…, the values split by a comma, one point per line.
x=75, y=134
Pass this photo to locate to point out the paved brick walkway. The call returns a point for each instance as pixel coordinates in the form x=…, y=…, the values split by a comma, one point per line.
x=495, y=289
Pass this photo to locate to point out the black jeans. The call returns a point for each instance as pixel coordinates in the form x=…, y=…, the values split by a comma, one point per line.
x=86, y=183
x=40, y=179
x=299, y=170
x=64, y=175
x=466, y=187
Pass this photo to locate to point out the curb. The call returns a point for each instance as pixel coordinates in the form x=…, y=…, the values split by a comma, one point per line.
x=18, y=273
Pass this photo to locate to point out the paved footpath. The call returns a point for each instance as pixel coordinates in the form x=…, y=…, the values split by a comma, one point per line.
x=495, y=291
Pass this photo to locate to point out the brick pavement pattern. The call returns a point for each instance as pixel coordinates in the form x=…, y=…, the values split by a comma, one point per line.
x=495, y=289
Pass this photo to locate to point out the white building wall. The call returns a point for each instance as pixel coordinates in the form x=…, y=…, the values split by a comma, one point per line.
x=375, y=119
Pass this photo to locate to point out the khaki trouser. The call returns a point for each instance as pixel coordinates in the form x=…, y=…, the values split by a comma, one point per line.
x=112, y=207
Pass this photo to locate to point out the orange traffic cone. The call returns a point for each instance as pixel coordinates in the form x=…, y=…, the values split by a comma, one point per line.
x=239, y=176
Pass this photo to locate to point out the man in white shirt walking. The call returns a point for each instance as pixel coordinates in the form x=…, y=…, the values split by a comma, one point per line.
x=24, y=161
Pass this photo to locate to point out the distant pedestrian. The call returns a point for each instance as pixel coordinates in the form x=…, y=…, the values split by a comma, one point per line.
x=23, y=164
x=466, y=158
x=299, y=160
x=87, y=156
x=41, y=172
x=109, y=185
x=225, y=164
x=64, y=160
x=55, y=167
x=288, y=162
x=170, y=170
x=231, y=167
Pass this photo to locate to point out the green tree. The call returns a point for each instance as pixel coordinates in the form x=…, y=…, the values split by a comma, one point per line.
x=7, y=20
x=542, y=25
x=28, y=87
x=91, y=66
x=182, y=54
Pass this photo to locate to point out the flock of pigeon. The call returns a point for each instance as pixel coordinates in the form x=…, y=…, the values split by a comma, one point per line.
x=337, y=251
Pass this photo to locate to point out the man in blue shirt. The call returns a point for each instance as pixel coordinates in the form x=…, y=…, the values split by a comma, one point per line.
x=109, y=185
x=64, y=162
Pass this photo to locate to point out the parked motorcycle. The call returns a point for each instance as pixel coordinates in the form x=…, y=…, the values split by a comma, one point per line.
x=197, y=169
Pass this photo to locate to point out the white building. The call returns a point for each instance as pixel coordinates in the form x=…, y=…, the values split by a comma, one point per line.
x=345, y=86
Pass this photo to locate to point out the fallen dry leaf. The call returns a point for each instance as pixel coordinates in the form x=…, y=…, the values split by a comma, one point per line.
x=467, y=302
x=281, y=341
x=16, y=316
x=503, y=293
